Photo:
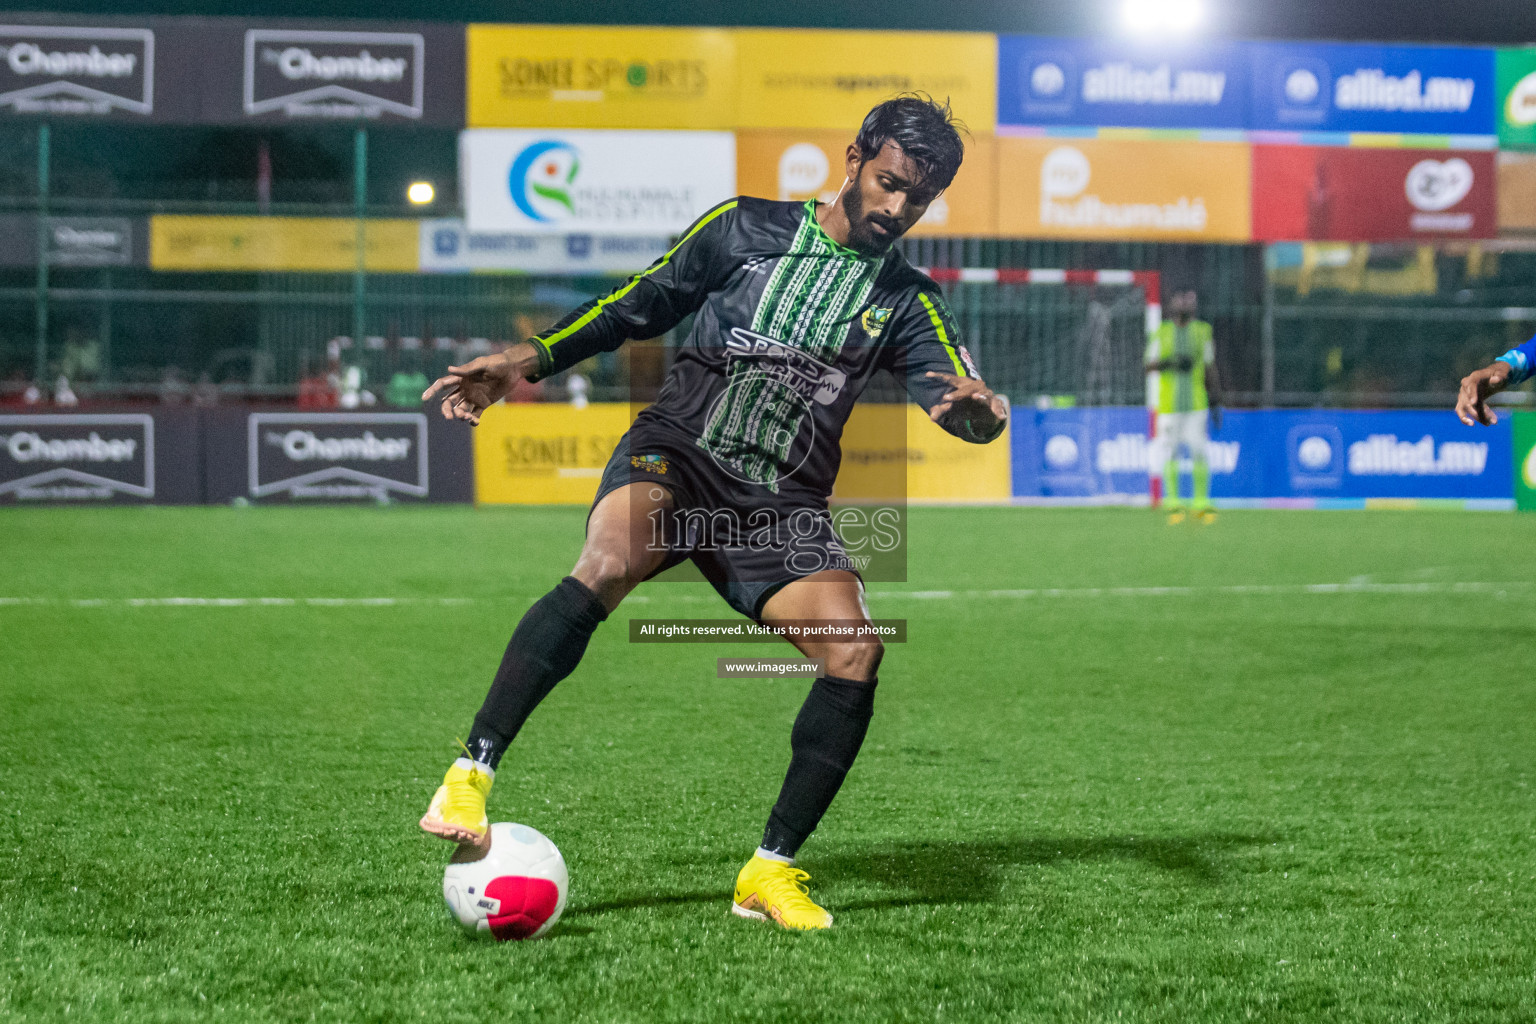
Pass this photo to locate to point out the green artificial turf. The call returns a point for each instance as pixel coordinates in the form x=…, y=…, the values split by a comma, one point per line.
x=1086, y=800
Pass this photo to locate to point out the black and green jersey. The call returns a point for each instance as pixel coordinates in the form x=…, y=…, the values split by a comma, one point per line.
x=790, y=327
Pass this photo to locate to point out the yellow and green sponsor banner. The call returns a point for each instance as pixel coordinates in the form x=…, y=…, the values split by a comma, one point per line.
x=549, y=454
x=896, y=453
x=800, y=164
x=546, y=454
x=1515, y=75
x=320, y=244
x=581, y=76
x=1525, y=460
x=813, y=78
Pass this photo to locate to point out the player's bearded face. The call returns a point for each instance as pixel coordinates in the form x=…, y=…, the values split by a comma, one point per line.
x=884, y=198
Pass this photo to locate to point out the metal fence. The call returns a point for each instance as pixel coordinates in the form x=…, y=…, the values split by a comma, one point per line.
x=1320, y=325
x=140, y=333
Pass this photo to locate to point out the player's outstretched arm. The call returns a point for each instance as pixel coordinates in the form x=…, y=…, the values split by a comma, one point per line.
x=648, y=304
x=1476, y=388
x=652, y=302
x=969, y=409
x=925, y=352
x=1511, y=368
x=468, y=390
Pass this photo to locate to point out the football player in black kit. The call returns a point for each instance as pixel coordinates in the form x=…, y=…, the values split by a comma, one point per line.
x=796, y=305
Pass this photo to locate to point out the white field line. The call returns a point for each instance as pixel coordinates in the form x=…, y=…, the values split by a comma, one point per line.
x=1262, y=589
x=1254, y=589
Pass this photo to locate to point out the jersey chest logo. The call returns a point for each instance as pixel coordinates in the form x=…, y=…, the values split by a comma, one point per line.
x=803, y=374
x=874, y=320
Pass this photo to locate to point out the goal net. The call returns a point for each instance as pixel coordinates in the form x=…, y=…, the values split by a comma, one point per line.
x=1056, y=336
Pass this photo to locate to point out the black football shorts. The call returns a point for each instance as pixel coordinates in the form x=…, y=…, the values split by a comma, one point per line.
x=747, y=541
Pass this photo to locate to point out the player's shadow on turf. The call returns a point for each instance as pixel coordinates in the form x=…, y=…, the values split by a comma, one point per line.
x=972, y=871
x=969, y=871
x=656, y=900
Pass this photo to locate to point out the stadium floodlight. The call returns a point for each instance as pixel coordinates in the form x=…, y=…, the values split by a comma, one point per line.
x=421, y=192
x=1147, y=17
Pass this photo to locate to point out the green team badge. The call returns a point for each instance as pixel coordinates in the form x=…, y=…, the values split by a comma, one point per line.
x=1525, y=460
x=1516, y=78
x=874, y=320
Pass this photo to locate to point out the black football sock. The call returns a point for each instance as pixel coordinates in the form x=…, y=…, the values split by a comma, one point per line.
x=826, y=738
x=545, y=648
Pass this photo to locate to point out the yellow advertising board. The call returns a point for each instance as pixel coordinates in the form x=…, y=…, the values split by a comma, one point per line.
x=813, y=78
x=546, y=454
x=1517, y=191
x=578, y=76
x=1132, y=189
x=179, y=242
x=896, y=453
x=778, y=163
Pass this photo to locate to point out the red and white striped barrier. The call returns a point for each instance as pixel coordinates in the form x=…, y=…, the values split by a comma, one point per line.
x=1147, y=279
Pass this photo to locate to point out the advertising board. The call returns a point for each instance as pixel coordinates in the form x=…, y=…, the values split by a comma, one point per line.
x=640, y=183
x=1349, y=194
x=1052, y=81
x=1319, y=455
x=1113, y=189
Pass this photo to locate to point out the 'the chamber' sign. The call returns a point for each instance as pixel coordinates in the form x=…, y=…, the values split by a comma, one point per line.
x=334, y=74
x=66, y=70
x=101, y=457
x=331, y=456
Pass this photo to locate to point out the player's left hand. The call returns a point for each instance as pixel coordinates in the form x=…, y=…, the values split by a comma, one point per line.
x=470, y=389
x=1476, y=388
x=971, y=399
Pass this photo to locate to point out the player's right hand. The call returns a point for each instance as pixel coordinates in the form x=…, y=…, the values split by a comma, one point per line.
x=1476, y=388
x=471, y=389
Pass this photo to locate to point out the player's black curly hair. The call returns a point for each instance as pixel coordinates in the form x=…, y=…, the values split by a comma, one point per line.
x=926, y=130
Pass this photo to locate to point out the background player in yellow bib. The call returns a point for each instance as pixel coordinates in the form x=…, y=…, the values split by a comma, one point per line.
x=1182, y=388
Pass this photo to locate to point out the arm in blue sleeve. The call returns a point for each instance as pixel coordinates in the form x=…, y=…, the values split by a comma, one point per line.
x=647, y=305
x=1522, y=361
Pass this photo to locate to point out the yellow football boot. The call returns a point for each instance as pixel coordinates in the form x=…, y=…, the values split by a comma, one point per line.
x=772, y=890
x=1176, y=515
x=1206, y=515
x=457, y=811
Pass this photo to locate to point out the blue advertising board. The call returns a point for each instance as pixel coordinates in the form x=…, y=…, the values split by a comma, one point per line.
x=1079, y=453
x=1336, y=87
x=1330, y=453
x=1044, y=81
x=1316, y=456
x=447, y=246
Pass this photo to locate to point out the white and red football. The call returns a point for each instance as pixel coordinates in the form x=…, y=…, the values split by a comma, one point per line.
x=516, y=891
